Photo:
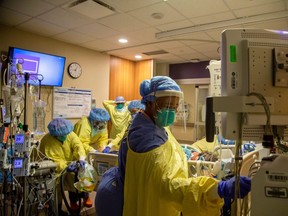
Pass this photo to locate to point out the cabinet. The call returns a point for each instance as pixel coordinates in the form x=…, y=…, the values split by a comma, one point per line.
x=201, y=92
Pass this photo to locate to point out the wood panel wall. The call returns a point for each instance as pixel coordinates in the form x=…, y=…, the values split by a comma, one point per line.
x=143, y=70
x=126, y=76
x=121, y=78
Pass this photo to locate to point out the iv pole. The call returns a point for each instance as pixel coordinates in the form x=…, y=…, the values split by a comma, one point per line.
x=25, y=129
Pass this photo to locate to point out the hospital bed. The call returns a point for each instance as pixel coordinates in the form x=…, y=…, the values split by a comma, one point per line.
x=102, y=162
x=226, y=156
x=208, y=167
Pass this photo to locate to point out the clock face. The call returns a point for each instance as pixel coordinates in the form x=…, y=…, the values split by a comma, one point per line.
x=74, y=70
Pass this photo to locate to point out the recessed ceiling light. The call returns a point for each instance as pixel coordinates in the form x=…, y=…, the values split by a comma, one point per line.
x=123, y=40
x=138, y=56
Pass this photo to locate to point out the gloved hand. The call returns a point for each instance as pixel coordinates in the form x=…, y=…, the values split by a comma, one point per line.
x=106, y=150
x=72, y=167
x=226, y=189
x=82, y=164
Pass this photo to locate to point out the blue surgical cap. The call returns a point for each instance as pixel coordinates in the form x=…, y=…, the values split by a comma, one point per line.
x=60, y=127
x=99, y=114
x=158, y=85
x=136, y=104
x=120, y=99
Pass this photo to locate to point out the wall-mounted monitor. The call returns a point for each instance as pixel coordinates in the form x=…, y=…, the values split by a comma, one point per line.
x=39, y=65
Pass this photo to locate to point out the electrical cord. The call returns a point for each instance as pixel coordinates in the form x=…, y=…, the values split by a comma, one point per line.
x=267, y=110
x=62, y=178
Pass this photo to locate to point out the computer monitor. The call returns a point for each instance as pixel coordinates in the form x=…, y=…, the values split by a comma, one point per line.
x=41, y=66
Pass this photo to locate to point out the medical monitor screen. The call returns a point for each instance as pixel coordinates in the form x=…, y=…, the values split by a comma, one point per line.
x=19, y=139
x=45, y=67
x=18, y=163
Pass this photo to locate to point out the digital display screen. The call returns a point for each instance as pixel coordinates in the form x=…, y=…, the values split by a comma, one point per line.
x=18, y=163
x=19, y=139
x=46, y=67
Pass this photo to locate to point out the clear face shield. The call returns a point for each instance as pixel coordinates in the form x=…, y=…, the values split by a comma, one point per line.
x=169, y=108
x=99, y=125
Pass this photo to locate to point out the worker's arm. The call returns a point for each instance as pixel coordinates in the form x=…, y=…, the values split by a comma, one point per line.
x=109, y=105
x=100, y=140
x=52, y=150
x=115, y=143
x=77, y=146
x=83, y=131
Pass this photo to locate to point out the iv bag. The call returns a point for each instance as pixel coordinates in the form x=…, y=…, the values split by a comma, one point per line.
x=39, y=117
x=7, y=104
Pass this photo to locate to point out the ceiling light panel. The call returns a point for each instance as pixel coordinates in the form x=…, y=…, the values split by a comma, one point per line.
x=138, y=56
x=123, y=40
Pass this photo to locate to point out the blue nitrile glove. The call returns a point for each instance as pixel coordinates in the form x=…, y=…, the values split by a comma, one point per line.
x=72, y=167
x=106, y=150
x=226, y=189
x=82, y=164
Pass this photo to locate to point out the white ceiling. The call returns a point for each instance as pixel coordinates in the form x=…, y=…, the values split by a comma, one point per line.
x=133, y=19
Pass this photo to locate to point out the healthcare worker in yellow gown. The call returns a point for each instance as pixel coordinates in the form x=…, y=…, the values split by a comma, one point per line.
x=119, y=114
x=134, y=107
x=92, y=130
x=63, y=146
x=152, y=177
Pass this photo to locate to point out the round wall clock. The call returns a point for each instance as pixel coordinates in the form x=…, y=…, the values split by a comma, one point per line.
x=75, y=70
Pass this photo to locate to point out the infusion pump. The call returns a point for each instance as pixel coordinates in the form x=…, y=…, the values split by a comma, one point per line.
x=22, y=143
x=22, y=166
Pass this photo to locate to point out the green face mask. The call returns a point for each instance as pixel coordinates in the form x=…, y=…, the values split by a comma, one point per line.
x=120, y=106
x=165, y=117
x=62, y=138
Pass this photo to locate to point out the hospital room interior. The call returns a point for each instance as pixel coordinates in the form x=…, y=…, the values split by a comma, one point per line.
x=70, y=67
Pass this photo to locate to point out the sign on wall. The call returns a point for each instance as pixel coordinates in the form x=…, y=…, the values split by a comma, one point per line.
x=71, y=102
